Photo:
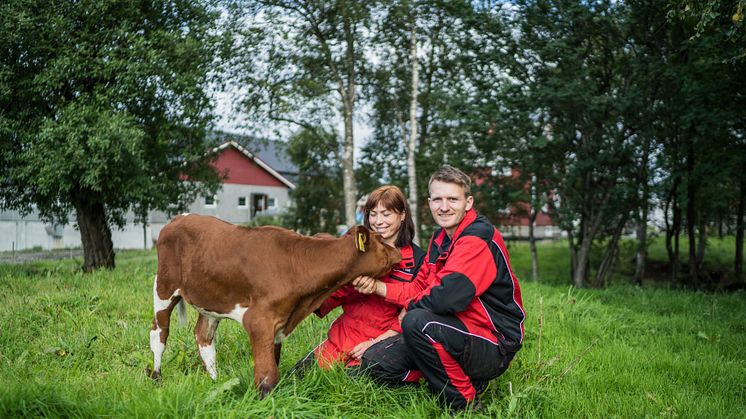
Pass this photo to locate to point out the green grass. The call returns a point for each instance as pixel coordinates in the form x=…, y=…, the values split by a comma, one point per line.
x=75, y=345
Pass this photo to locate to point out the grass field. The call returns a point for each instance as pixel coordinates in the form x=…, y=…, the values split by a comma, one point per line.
x=74, y=345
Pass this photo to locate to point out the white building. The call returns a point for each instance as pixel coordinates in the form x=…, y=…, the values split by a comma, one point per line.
x=251, y=188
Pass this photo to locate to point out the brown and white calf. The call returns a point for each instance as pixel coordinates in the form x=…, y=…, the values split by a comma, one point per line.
x=266, y=278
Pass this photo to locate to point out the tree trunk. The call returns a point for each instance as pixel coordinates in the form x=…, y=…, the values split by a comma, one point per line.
x=642, y=244
x=98, y=249
x=702, y=241
x=691, y=217
x=739, y=232
x=611, y=253
x=531, y=236
x=412, y=143
x=669, y=228
x=676, y=268
x=348, y=99
x=581, y=270
x=589, y=228
x=642, y=223
x=672, y=233
x=573, y=253
x=532, y=247
x=428, y=85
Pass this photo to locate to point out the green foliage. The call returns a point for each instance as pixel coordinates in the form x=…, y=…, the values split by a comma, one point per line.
x=317, y=200
x=459, y=58
x=104, y=107
x=105, y=87
x=77, y=345
x=727, y=15
x=266, y=220
x=87, y=148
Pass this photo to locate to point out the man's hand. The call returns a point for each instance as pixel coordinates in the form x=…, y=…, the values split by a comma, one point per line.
x=360, y=348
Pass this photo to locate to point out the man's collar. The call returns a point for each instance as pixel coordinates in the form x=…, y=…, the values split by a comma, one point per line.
x=469, y=218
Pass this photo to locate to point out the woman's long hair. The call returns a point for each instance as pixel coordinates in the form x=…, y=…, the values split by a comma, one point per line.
x=391, y=198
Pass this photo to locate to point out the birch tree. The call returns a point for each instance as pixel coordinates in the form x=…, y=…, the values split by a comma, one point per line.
x=300, y=65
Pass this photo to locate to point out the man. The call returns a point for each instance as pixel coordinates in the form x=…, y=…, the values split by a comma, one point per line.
x=464, y=319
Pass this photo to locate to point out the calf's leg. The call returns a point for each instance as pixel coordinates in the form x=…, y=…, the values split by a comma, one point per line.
x=162, y=309
x=262, y=338
x=204, y=333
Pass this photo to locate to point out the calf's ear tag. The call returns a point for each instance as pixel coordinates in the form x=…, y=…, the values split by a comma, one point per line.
x=360, y=242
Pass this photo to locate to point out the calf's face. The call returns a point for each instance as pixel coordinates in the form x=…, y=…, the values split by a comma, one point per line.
x=374, y=253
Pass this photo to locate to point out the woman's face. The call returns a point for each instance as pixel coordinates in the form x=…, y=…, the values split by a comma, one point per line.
x=386, y=223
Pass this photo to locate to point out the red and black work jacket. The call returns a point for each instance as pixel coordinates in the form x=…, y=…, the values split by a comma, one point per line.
x=469, y=276
x=367, y=316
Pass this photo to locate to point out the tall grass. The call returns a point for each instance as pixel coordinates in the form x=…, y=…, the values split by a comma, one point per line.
x=75, y=345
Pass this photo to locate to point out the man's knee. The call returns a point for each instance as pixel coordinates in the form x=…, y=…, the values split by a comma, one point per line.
x=386, y=367
x=388, y=361
x=414, y=321
x=368, y=365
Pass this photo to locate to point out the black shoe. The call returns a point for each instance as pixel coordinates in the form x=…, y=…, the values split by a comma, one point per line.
x=474, y=406
x=481, y=387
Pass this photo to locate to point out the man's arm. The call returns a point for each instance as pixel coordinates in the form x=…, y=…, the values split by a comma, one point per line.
x=399, y=293
x=468, y=272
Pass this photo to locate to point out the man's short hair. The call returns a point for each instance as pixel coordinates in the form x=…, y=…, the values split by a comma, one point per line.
x=450, y=174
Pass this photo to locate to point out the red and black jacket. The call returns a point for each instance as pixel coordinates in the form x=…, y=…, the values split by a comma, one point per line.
x=469, y=276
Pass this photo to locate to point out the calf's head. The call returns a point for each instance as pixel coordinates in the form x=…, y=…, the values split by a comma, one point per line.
x=375, y=257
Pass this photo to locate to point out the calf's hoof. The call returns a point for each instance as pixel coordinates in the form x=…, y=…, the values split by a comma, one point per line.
x=264, y=388
x=152, y=374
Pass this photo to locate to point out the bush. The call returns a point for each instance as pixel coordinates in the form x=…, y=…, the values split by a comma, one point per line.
x=266, y=220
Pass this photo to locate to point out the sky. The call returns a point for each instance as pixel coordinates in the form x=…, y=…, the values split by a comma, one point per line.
x=233, y=122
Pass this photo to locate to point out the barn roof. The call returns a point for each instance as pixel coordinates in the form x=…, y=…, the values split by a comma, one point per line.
x=259, y=162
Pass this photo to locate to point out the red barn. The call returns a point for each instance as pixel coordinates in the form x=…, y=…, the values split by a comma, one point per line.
x=251, y=188
x=513, y=221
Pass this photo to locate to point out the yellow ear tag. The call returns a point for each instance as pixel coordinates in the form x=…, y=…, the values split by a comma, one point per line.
x=360, y=243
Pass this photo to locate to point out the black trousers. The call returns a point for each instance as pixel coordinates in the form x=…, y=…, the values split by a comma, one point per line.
x=456, y=365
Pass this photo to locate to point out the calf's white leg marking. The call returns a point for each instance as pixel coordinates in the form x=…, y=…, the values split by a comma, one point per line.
x=156, y=343
x=237, y=313
x=208, y=357
x=157, y=347
x=207, y=346
x=158, y=304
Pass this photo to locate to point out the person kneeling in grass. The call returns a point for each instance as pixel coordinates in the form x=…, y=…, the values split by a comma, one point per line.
x=367, y=319
x=464, y=320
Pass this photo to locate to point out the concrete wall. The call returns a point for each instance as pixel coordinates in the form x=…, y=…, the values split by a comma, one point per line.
x=227, y=207
x=18, y=233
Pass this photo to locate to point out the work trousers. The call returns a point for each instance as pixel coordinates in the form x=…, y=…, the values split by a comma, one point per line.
x=457, y=365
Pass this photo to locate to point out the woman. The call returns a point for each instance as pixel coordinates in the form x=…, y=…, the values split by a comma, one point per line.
x=367, y=319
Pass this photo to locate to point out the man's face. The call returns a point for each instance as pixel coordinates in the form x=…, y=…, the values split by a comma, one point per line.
x=448, y=204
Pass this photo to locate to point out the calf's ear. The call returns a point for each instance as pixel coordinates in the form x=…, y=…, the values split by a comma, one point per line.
x=361, y=235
